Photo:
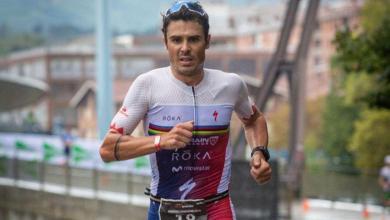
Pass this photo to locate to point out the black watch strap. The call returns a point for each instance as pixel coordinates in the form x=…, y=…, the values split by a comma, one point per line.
x=263, y=150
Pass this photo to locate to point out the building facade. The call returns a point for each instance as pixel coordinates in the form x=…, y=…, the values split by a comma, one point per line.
x=67, y=68
x=243, y=39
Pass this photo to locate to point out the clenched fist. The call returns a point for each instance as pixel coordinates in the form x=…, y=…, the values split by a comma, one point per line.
x=260, y=168
x=178, y=137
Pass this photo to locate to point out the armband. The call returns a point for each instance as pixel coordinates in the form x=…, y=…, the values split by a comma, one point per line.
x=157, y=140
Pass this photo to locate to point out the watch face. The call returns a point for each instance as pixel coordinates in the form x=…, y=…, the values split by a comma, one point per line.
x=266, y=154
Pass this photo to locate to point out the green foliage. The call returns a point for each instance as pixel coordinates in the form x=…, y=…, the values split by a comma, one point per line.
x=14, y=42
x=313, y=124
x=371, y=140
x=357, y=86
x=363, y=85
x=368, y=51
x=338, y=119
x=353, y=52
x=279, y=127
x=373, y=13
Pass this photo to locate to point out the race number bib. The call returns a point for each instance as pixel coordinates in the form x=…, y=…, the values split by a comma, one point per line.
x=182, y=209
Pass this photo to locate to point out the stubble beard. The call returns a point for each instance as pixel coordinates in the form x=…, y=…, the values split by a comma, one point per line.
x=189, y=71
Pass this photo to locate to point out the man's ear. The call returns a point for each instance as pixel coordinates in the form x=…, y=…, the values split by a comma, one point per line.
x=208, y=41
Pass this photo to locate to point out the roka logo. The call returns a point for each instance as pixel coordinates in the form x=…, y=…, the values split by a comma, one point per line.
x=188, y=155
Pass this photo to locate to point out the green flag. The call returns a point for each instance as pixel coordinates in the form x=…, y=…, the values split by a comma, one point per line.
x=20, y=145
x=79, y=154
x=49, y=151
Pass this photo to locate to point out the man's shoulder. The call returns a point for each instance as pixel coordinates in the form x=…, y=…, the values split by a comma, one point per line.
x=222, y=75
x=155, y=74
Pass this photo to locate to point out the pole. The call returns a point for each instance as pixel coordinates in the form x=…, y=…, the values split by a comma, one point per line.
x=103, y=73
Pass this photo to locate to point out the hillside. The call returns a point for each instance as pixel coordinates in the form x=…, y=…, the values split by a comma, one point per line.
x=50, y=16
x=45, y=15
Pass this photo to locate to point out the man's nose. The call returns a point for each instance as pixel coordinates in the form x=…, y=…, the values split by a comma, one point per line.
x=185, y=47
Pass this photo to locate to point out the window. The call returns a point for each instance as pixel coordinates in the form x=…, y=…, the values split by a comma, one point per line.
x=38, y=69
x=90, y=68
x=66, y=69
x=319, y=65
x=132, y=67
x=317, y=43
x=317, y=60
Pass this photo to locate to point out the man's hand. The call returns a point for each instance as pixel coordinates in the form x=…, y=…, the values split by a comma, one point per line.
x=178, y=137
x=260, y=168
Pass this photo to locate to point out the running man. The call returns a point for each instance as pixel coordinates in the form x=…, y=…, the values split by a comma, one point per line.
x=384, y=181
x=186, y=111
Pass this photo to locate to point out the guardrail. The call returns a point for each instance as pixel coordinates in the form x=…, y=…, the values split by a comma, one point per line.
x=41, y=159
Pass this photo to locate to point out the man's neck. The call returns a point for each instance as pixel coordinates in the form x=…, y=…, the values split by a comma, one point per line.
x=191, y=80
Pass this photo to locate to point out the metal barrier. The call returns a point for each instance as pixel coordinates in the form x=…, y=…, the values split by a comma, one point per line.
x=67, y=177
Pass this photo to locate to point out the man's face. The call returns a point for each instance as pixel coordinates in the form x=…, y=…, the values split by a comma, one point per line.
x=186, y=45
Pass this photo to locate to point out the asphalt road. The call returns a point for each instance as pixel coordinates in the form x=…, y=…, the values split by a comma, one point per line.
x=326, y=210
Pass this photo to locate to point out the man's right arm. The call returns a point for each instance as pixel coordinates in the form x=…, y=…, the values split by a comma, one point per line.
x=129, y=147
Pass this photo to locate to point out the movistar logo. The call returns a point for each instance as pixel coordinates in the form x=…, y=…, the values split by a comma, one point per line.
x=190, y=168
x=79, y=153
x=20, y=145
x=49, y=152
x=177, y=169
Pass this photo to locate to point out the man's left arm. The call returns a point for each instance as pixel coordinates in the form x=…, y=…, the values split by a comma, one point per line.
x=256, y=134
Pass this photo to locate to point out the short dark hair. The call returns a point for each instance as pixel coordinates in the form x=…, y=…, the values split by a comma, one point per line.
x=186, y=15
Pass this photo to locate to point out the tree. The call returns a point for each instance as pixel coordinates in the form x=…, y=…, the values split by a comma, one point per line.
x=279, y=127
x=313, y=124
x=357, y=86
x=279, y=124
x=370, y=142
x=338, y=121
x=18, y=41
x=367, y=52
x=373, y=13
x=356, y=116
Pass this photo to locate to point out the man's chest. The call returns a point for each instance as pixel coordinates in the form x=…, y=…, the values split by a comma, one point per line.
x=202, y=115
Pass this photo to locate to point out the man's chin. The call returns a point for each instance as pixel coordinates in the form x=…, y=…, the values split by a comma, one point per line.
x=188, y=71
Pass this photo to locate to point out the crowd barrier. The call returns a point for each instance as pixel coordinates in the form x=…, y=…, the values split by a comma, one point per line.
x=49, y=149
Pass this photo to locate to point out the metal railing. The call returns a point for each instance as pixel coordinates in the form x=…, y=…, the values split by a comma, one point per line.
x=68, y=179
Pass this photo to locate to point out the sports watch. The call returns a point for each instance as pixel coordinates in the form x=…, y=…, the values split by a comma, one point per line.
x=263, y=150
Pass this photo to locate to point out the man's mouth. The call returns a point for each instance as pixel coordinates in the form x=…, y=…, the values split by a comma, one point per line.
x=185, y=60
